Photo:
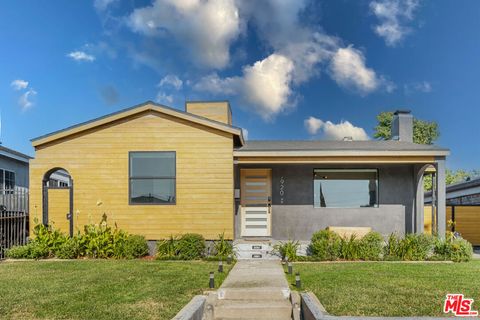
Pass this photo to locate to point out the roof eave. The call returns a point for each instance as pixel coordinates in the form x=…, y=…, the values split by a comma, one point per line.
x=133, y=111
x=335, y=153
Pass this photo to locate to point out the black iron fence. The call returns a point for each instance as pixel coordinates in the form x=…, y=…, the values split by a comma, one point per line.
x=13, y=218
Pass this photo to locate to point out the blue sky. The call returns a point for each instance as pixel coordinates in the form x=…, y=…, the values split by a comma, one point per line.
x=291, y=69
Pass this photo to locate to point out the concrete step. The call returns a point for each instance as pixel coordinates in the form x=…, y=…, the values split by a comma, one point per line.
x=252, y=309
x=270, y=294
x=263, y=251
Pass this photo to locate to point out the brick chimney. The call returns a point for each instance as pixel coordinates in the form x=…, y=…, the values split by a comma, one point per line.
x=213, y=110
x=402, y=126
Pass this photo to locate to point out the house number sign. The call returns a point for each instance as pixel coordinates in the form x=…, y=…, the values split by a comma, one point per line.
x=282, y=190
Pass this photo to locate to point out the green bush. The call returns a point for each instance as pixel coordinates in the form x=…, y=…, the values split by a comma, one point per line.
x=167, y=248
x=325, y=245
x=189, y=246
x=454, y=249
x=350, y=248
x=135, y=247
x=18, y=252
x=222, y=248
x=371, y=246
x=413, y=247
x=70, y=249
x=97, y=241
x=287, y=250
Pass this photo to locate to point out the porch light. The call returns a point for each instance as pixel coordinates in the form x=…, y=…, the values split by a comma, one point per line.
x=298, y=283
x=289, y=265
x=220, y=266
x=212, y=280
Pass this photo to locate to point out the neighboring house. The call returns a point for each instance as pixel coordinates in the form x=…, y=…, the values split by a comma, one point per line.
x=158, y=171
x=13, y=169
x=463, y=209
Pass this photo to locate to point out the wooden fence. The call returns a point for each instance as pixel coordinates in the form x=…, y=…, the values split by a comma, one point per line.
x=466, y=221
x=13, y=218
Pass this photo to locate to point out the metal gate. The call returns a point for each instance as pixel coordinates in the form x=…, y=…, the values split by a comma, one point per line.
x=13, y=218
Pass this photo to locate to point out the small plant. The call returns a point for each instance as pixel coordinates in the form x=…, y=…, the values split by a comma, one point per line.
x=191, y=246
x=454, y=249
x=413, y=247
x=287, y=250
x=167, y=248
x=371, y=246
x=70, y=249
x=350, y=248
x=135, y=246
x=325, y=245
x=222, y=248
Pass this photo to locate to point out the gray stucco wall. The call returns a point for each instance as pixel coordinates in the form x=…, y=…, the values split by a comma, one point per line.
x=297, y=218
x=20, y=168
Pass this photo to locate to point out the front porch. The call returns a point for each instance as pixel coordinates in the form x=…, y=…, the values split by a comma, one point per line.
x=281, y=199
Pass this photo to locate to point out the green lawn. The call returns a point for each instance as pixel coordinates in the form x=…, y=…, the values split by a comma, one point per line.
x=389, y=289
x=100, y=289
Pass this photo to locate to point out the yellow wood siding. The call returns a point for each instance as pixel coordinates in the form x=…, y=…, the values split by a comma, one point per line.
x=215, y=110
x=98, y=163
x=58, y=208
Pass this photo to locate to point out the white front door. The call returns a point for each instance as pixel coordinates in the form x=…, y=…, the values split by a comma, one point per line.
x=256, y=202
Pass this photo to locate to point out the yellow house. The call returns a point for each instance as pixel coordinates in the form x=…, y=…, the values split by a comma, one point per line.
x=158, y=171
x=151, y=169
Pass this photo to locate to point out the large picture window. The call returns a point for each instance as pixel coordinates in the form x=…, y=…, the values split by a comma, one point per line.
x=152, y=178
x=345, y=188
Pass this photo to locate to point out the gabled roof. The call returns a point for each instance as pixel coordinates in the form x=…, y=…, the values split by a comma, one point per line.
x=146, y=106
x=10, y=153
x=327, y=148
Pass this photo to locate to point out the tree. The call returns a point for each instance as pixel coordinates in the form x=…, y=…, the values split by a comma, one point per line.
x=424, y=132
x=451, y=177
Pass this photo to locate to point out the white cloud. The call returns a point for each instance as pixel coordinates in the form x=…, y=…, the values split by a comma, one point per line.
x=265, y=85
x=332, y=131
x=392, y=16
x=348, y=69
x=423, y=86
x=313, y=125
x=25, y=101
x=164, y=98
x=81, y=56
x=171, y=80
x=245, y=133
x=205, y=28
x=101, y=5
x=19, y=84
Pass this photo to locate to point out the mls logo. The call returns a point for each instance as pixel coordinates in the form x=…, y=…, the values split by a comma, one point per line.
x=460, y=306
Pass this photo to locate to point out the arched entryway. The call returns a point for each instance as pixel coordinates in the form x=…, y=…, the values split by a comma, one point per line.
x=57, y=191
x=438, y=209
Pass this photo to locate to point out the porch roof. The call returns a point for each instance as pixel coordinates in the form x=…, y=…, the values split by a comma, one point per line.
x=302, y=148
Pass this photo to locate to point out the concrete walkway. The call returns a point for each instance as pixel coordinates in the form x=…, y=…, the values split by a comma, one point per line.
x=254, y=289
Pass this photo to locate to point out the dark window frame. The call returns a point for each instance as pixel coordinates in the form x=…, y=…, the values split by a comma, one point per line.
x=174, y=178
x=3, y=181
x=377, y=176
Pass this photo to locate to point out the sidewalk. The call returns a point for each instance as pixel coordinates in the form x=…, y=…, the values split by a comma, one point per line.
x=254, y=289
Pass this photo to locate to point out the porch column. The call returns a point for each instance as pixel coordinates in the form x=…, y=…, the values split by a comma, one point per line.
x=419, y=200
x=441, y=197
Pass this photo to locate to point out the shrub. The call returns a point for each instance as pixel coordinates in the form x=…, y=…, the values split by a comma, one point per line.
x=191, y=246
x=350, y=248
x=18, y=252
x=222, y=248
x=97, y=241
x=167, y=248
x=70, y=249
x=371, y=246
x=287, y=250
x=454, y=249
x=325, y=245
x=135, y=247
x=413, y=247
